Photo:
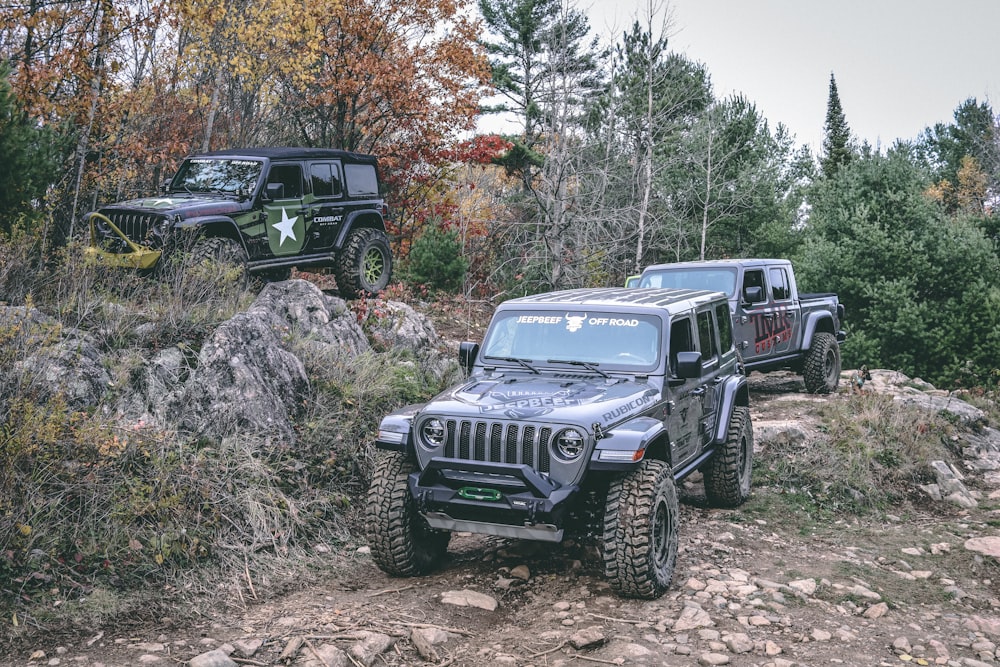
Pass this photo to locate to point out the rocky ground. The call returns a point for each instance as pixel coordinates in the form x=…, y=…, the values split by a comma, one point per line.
x=752, y=587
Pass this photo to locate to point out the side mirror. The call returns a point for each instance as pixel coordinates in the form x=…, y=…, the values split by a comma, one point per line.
x=689, y=365
x=753, y=294
x=274, y=191
x=467, y=353
x=164, y=185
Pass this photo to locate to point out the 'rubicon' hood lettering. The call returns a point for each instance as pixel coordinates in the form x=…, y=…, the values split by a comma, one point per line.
x=627, y=408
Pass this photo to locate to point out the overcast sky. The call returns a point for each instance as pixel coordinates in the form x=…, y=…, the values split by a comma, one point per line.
x=900, y=65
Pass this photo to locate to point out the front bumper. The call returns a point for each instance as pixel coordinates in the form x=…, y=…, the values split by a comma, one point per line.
x=135, y=257
x=507, y=500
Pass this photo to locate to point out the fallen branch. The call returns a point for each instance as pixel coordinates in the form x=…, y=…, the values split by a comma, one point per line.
x=616, y=620
x=316, y=653
x=389, y=590
x=551, y=650
x=457, y=631
x=603, y=662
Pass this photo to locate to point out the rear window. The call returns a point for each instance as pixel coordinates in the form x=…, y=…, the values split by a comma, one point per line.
x=362, y=180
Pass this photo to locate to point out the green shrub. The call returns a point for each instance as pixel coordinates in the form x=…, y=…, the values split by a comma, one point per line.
x=436, y=260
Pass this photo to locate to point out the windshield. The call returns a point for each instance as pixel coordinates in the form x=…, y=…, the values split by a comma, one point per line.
x=611, y=341
x=711, y=279
x=219, y=175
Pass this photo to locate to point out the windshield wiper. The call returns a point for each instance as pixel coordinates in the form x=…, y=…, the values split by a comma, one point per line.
x=515, y=360
x=590, y=366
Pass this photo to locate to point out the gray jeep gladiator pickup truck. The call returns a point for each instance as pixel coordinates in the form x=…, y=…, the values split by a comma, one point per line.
x=775, y=327
x=581, y=411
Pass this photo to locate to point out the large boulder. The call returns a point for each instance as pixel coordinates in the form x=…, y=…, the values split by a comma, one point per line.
x=56, y=361
x=315, y=318
x=245, y=381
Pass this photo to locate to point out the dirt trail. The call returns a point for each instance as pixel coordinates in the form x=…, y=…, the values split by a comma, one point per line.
x=748, y=590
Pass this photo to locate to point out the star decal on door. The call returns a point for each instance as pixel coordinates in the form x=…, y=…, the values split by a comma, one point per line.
x=286, y=226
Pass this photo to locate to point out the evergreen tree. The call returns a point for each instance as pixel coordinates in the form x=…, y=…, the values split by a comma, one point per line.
x=29, y=159
x=921, y=288
x=836, y=142
x=541, y=68
x=550, y=78
x=956, y=151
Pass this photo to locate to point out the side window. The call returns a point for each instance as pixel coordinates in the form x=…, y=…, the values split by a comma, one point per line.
x=754, y=278
x=680, y=340
x=725, y=326
x=706, y=336
x=289, y=176
x=362, y=180
x=326, y=179
x=779, y=284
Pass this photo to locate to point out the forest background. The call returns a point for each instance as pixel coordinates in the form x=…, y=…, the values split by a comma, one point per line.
x=624, y=155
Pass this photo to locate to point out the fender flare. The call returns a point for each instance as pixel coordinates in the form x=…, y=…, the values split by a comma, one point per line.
x=624, y=446
x=813, y=322
x=733, y=393
x=395, y=431
x=215, y=222
x=372, y=219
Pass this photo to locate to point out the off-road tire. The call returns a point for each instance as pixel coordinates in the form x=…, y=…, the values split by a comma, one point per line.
x=640, y=531
x=401, y=542
x=821, y=369
x=222, y=251
x=727, y=473
x=364, y=264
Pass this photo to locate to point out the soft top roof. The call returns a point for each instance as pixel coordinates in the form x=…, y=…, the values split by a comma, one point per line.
x=622, y=298
x=291, y=153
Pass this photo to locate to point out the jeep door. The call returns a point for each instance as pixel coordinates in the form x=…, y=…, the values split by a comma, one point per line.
x=768, y=322
x=326, y=207
x=785, y=325
x=284, y=211
x=715, y=344
x=684, y=415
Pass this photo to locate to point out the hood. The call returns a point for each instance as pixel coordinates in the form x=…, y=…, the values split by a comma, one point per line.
x=182, y=204
x=580, y=401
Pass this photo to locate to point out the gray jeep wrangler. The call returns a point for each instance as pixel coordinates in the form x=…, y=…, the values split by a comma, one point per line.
x=583, y=403
x=265, y=209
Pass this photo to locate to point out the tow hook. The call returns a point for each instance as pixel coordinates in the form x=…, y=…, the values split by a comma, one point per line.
x=533, y=511
x=423, y=500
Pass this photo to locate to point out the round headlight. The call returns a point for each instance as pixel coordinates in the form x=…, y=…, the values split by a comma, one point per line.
x=569, y=444
x=432, y=433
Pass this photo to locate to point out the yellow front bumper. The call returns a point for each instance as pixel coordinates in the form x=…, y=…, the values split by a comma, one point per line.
x=140, y=257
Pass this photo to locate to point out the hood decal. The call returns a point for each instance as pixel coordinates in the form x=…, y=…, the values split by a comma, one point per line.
x=522, y=398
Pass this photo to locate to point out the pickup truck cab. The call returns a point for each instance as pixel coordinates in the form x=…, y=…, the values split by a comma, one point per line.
x=774, y=326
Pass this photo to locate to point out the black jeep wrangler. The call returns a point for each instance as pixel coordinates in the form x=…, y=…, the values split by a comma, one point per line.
x=582, y=408
x=268, y=209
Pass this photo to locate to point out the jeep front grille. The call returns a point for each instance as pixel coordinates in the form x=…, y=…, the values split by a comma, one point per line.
x=499, y=442
x=135, y=225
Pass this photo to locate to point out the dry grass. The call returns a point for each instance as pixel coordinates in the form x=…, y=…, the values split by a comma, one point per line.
x=872, y=454
x=134, y=520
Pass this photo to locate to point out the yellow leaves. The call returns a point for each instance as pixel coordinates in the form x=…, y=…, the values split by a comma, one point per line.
x=249, y=41
x=24, y=530
x=969, y=194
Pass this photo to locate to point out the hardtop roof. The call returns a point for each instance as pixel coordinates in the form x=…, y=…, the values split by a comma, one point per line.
x=291, y=153
x=716, y=263
x=621, y=298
